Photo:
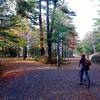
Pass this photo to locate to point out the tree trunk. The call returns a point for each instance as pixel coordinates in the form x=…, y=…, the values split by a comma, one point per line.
x=49, y=31
x=24, y=52
x=3, y=52
x=52, y=20
x=58, y=53
x=48, y=34
x=18, y=52
x=41, y=31
x=62, y=50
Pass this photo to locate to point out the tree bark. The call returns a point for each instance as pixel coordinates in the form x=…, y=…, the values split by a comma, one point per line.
x=24, y=52
x=41, y=31
x=49, y=30
x=48, y=34
x=58, y=53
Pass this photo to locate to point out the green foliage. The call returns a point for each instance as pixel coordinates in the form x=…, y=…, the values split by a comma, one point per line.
x=23, y=7
x=67, y=11
x=62, y=27
x=98, y=47
x=21, y=41
x=15, y=23
x=10, y=39
x=97, y=33
x=36, y=58
x=79, y=48
x=85, y=46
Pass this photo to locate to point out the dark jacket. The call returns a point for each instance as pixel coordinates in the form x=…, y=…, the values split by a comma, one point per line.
x=82, y=61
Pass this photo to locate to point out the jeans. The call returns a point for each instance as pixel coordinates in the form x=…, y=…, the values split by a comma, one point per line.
x=82, y=71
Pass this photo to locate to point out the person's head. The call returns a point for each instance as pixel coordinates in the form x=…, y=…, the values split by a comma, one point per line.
x=83, y=56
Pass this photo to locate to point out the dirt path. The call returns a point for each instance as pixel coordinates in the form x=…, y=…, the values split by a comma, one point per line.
x=34, y=81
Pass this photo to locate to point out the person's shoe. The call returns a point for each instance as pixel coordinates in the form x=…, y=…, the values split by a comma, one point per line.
x=81, y=83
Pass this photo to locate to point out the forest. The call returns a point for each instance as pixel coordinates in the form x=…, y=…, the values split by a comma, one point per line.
x=42, y=28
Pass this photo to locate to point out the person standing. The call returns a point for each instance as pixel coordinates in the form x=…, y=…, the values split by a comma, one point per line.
x=84, y=69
